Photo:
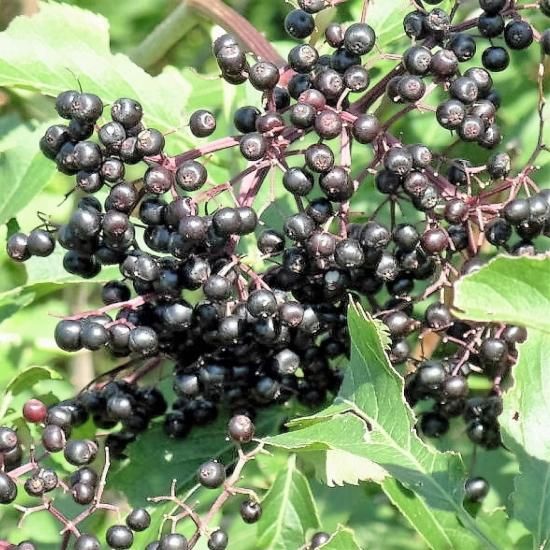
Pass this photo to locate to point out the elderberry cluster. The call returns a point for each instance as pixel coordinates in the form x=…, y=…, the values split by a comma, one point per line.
x=261, y=333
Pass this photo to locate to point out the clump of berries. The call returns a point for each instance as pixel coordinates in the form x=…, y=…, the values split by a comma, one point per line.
x=264, y=332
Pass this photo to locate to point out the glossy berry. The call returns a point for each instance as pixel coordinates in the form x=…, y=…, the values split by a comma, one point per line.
x=359, y=38
x=253, y=146
x=250, y=511
x=8, y=489
x=17, y=247
x=87, y=542
x=138, y=519
x=80, y=451
x=218, y=540
x=34, y=411
x=211, y=474
x=119, y=537
x=8, y=439
x=476, y=489
x=495, y=59
x=299, y=24
x=202, y=123
x=518, y=35
x=241, y=428
x=173, y=541
x=318, y=539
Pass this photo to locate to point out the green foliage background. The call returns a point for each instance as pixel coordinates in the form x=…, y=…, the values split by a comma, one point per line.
x=32, y=295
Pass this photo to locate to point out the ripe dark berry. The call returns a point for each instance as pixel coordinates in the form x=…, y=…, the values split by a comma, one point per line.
x=545, y=42
x=127, y=112
x=202, y=123
x=87, y=542
x=312, y=6
x=356, y=79
x=411, y=88
x=433, y=424
x=191, y=175
x=261, y=303
x=328, y=124
x=518, y=35
x=83, y=493
x=143, y=340
x=444, y=63
x=359, y=38
x=250, y=511
x=399, y=161
x=8, y=489
x=17, y=247
x=40, y=243
x=263, y=76
x=138, y=519
x=498, y=232
x=490, y=26
x=53, y=438
x=297, y=181
x=299, y=24
x=417, y=60
x=173, y=541
x=8, y=439
x=253, y=146
x=318, y=540
x=492, y=6
x=119, y=537
x=495, y=59
x=414, y=24
x=211, y=474
x=366, y=128
x=302, y=115
x=463, y=46
x=245, y=119
x=80, y=451
x=86, y=107
x=476, y=489
x=64, y=103
x=303, y=58
x=464, y=89
x=241, y=428
x=218, y=540
x=493, y=350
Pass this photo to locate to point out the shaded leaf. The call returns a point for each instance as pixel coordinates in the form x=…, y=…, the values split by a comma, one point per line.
x=343, y=539
x=288, y=511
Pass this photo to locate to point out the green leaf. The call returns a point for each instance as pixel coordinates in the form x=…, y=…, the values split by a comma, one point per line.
x=63, y=46
x=379, y=426
x=520, y=294
x=25, y=380
x=343, y=539
x=155, y=460
x=508, y=290
x=288, y=511
x=25, y=171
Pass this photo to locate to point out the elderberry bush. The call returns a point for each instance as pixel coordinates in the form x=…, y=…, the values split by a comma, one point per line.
x=238, y=291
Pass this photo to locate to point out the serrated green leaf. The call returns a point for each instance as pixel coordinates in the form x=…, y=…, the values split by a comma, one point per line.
x=25, y=380
x=379, y=426
x=63, y=45
x=519, y=293
x=514, y=290
x=288, y=511
x=25, y=171
x=343, y=539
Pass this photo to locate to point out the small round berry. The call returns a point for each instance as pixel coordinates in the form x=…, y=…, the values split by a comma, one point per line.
x=218, y=540
x=83, y=493
x=79, y=452
x=211, y=474
x=318, y=540
x=299, y=24
x=476, y=489
x=119, y=537
x=87, y=542
x=34, y=411
x=202, y=123
x=64, y=103
x=518, y=35
x=8, y=489
x=250, y=511
x=40, y=243
x=138, y=519
x=126, y=112
x=359, y=38
x=253, y=146
x=173, y=541
x=17, y=247
x=241, y=428
x=495, y=59
x=8, y=439
x=463, y=46
x=365, y=128
x=53, y=438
